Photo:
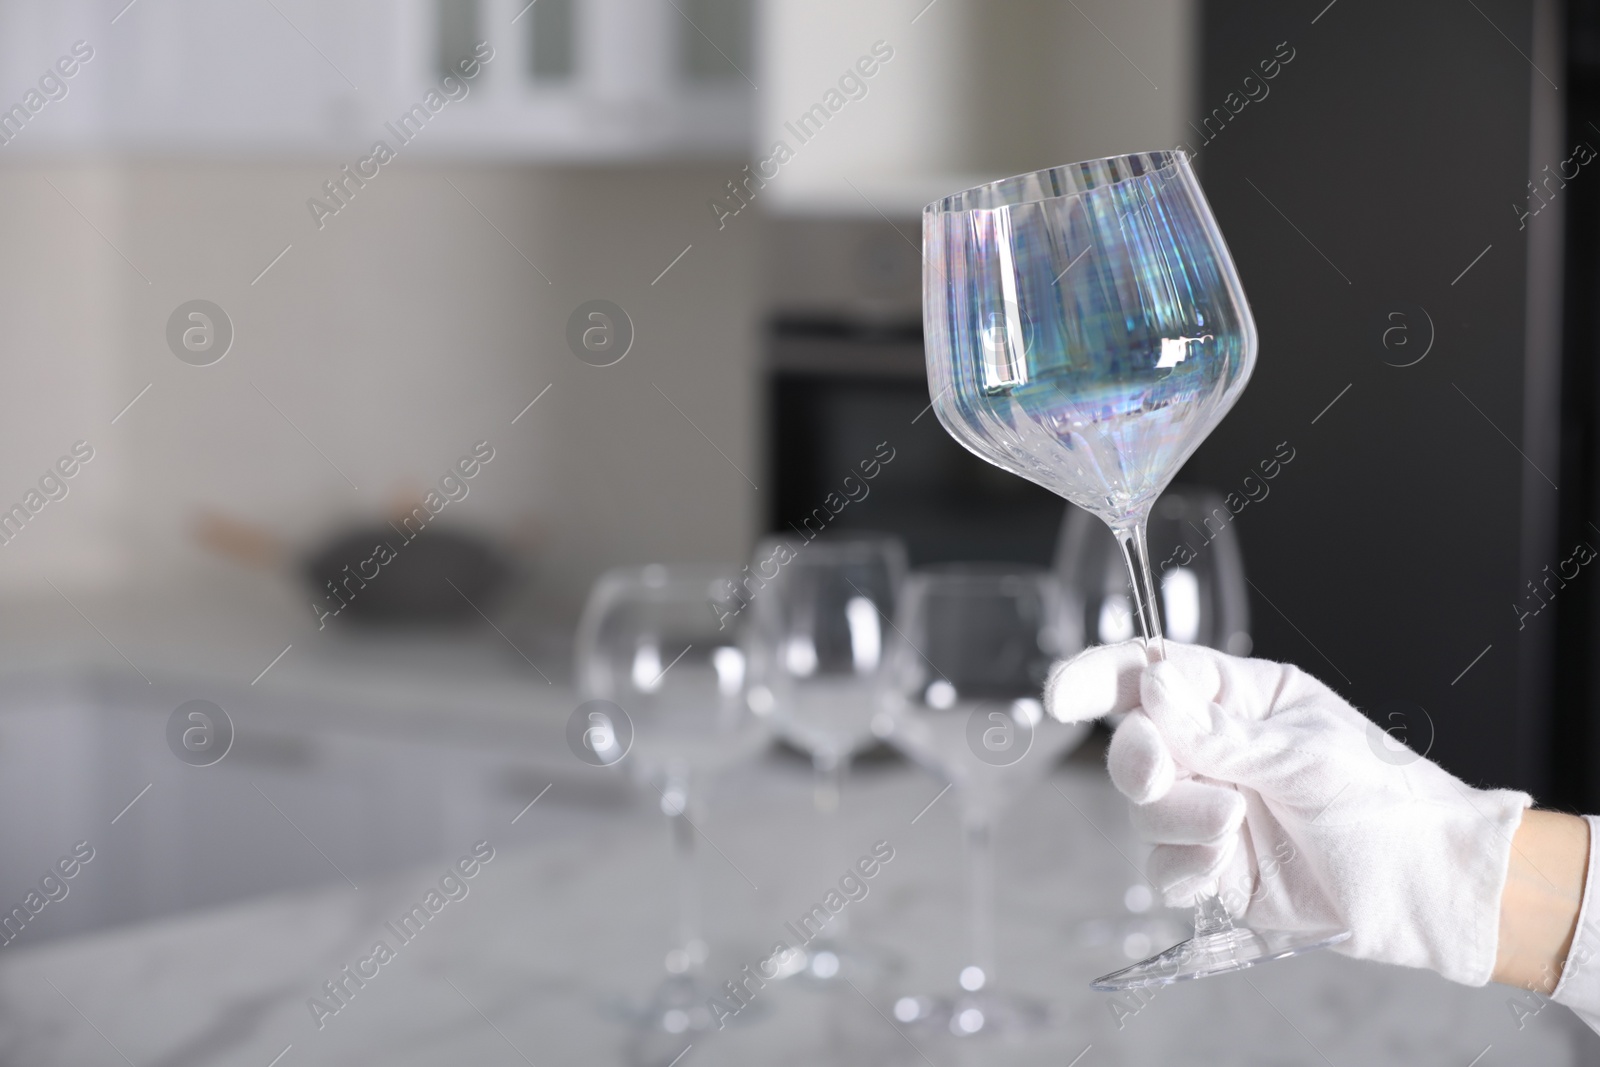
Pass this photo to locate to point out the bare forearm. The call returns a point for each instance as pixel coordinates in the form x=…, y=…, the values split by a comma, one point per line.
x=1543, y=893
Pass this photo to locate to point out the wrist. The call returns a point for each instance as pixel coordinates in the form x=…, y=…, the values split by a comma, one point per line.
x=1543, y=893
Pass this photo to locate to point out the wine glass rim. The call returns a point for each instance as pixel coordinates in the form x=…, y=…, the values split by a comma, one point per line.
x=661, y=581
x=836, y=547
x=1074, y=179
x=980, y=572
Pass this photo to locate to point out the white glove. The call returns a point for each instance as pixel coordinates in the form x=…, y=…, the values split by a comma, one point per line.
x=1255, y=780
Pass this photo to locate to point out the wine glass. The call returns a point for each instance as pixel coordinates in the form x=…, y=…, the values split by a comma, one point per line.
x=1086, y=329
x=814, y=648
x=960, y=695
x=662, y=674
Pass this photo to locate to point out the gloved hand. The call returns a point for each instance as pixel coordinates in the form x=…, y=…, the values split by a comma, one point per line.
x=1255, y=780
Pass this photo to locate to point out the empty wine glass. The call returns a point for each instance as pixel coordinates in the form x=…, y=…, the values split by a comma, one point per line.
x=815, y=643
x=1086, y=329
x=662, y=674
x=814, y=650
x=960, y=695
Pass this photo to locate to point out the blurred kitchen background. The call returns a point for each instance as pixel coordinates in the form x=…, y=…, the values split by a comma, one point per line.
x=1399, y=196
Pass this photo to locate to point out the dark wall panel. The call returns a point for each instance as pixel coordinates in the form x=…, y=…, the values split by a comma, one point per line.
x=1359, y=195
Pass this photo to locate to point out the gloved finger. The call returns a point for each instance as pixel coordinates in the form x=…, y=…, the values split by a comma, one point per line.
x=1286, y=755
x=1141, y=766
x=1202, y=736
x=1192, y=813
x=1185, y=873
x=1096, y=682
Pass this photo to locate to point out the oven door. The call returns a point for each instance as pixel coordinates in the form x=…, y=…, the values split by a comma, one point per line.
x=845, y=403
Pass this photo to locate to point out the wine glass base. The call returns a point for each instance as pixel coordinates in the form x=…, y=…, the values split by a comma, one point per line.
x=1222, y=952
x=973, y=1015
x=680, y=1004
x=827, y=963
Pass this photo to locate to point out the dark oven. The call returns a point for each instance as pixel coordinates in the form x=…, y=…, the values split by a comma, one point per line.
x=854, y=446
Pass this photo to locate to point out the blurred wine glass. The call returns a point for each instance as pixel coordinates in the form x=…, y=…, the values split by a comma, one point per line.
x=961, y=696
x=1196, y=561
x=663, y=675
x=815, y=648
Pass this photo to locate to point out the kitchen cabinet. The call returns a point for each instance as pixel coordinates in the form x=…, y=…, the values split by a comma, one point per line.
x=578, y=81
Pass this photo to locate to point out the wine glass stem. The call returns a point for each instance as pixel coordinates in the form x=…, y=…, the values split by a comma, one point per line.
x=675, y=805
x=980, y=894
x=1210, y=914
x=1136, y=553
x=830, y=769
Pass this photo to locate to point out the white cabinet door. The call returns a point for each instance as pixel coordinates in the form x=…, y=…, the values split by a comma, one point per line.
x=577, y=80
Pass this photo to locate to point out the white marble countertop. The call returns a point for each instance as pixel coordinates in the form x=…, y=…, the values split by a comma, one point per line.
x=432, y=744
x=575, y=909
